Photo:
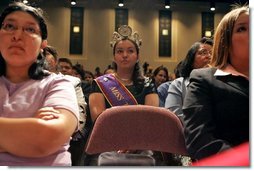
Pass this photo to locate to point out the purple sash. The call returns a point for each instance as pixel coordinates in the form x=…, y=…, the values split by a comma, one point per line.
x=114, y=91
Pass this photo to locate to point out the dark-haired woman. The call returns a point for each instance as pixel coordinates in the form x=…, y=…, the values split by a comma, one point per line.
x=198, y=56
x=127, y=85
x=127, y=77
x=38, y=110
x=160, y=75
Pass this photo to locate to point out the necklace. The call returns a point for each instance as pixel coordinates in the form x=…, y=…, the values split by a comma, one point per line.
x=124, y=80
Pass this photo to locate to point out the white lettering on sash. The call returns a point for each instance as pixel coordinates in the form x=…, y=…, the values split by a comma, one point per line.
x=118, y=95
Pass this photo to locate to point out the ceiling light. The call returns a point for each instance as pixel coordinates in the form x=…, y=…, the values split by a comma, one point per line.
x=212, y=5
x=167, y=4
x=73, y=2
x=120, y=4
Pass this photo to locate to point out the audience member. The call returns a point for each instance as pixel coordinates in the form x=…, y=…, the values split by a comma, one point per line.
x=198, y=56
x=86, y=79
x=51, y=59
x=86, y=82
x=65, y=66
x=163, y=88
x=78, y=138
x=38, y=110
x=149, y=72
x=87, y=89
x=89, y=77
x=127, y=76
x=77, y=71
x=127, y=79
x=109, y=70
x=216, y=106
x=145, y=68
x=160, y=75
x=97, y=72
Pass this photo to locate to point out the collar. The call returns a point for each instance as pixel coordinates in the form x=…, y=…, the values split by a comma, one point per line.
x=228, y=70
x=187, y=81
x=220, y=72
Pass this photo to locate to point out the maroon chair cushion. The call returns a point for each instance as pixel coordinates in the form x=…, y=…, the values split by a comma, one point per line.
x=137, y=127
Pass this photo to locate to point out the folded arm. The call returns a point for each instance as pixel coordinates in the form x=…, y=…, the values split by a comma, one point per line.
x=36, y=137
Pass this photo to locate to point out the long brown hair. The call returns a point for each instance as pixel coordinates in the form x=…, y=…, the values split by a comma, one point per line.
x=223, y=37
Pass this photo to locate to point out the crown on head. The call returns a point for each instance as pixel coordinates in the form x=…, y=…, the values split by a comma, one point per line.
x=124, y=32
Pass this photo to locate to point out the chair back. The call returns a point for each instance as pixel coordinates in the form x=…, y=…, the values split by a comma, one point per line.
x=137, y=127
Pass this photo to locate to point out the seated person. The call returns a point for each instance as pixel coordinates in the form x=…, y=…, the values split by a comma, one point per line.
x=198, y=56
x=38, y=110
x=216, y=106
x=78, y=139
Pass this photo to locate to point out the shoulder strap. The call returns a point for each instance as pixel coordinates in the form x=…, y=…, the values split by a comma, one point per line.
x=114, y=91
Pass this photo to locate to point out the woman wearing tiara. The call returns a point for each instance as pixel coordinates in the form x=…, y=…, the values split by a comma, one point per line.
x=131, y=86
x=127, y=85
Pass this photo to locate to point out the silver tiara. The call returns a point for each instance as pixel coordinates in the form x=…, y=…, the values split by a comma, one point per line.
x=124, y=32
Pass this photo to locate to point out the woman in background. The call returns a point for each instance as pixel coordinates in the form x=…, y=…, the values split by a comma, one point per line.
x=160, y=75
x=198, y=56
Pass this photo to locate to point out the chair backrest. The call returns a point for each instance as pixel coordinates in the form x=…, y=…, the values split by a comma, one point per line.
x=137, y=127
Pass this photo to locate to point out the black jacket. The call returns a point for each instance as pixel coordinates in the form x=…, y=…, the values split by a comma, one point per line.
x=216, y=112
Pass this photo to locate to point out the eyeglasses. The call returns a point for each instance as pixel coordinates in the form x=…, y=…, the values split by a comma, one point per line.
x=204, y=52
x=10, y=27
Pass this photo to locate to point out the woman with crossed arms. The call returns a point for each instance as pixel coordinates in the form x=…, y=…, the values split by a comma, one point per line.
x=38, y=110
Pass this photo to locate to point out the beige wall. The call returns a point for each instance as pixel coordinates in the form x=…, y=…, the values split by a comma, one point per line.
x=98, y=28
x=58, y=22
